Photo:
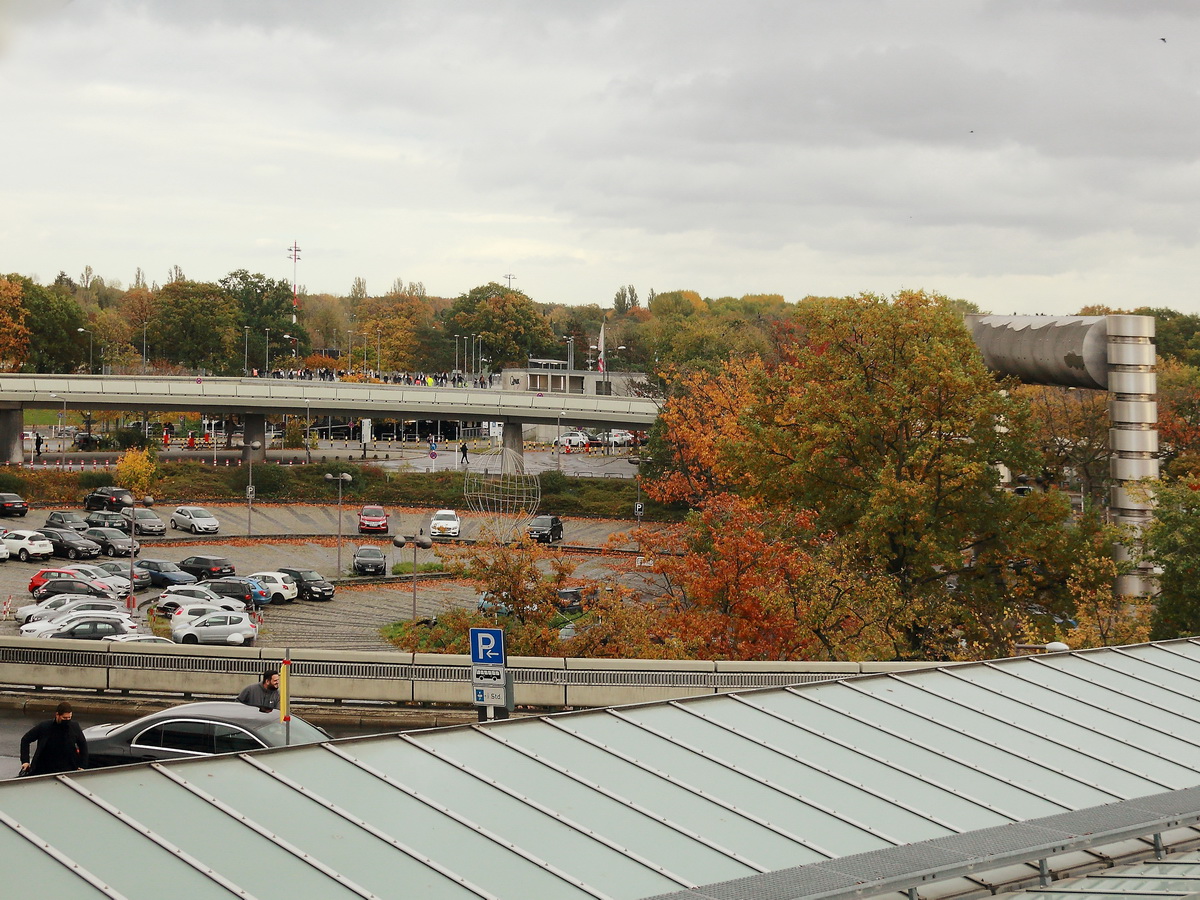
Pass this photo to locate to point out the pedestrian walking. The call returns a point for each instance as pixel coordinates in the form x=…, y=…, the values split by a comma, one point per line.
x=463, y=451
x=61, y=746
x=37, y=443
x=264, y=695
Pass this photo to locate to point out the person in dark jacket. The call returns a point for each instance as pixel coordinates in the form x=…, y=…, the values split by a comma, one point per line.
x=264, y=695
x=61, y=746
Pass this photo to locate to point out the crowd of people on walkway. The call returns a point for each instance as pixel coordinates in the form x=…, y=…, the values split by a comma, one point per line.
x=409, y=379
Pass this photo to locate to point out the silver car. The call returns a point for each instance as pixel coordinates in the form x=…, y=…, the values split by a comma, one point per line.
x=221, y=627
x=195, y=519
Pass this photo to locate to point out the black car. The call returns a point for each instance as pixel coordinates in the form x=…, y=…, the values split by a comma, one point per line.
x=95, y=630
x=113, y=499
x=67, y=518
x=102, y=519
x=369, y=560
x=310, y=584
x=204, y=567
x=56, y=586
x=113, y=542
x=195, y=729
x=70, y=543
x=239, y=589
x=12, y=505
x=546, y=529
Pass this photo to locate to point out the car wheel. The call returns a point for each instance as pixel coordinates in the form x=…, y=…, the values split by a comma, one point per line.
x=277, y=598
x=195, y=529
x=21, y=514
x=23, y=555
x=72, y=554
x=190, y=639
x=173, y=525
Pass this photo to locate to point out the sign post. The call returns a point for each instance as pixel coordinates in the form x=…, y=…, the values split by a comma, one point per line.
x=491, y=687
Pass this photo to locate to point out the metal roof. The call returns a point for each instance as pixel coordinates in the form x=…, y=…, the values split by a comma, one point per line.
x=629, y=802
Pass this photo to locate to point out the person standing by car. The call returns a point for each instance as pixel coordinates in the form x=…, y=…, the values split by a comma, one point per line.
x=264, y=695
x=61, y=746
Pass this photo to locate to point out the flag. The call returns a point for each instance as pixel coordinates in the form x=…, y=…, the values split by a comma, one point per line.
x=600, y=364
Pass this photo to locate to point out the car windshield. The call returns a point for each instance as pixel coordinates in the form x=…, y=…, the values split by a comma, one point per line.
x=275, y=733
x=143, y=514
x=70, y=517
x=110, y=533
x=372, y=511
x=370, y=552
x=309, y=575
x=445, y=516
x=541, y=522
x=198, y=513
x=168, y=567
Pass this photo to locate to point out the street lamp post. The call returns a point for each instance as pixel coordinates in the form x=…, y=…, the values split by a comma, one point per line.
x=62, y=424
x=379, y=352
x=340, y=478
x=255, y=446
x=308, y=429
x=267, y=363
x=89, y=334
x=144, y=326
x=417, y=540
x=246, y=351
x=131, y=600
x=456, y=337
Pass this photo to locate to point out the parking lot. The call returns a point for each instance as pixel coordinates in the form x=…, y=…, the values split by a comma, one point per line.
x=306, y=536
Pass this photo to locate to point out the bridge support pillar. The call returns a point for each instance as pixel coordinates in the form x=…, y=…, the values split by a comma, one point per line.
x=513, y=439
x=254, y=429
x=12, y=422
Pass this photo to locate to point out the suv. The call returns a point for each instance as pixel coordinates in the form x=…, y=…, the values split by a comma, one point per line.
x=312, y=585
x=372, y=518
x=574, y=440
x=369, y=560
x=546, y=529
x=207, y=566
x=144, y=521
x=111, y=498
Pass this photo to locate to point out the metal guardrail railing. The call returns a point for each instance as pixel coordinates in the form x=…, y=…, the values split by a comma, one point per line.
x=916, y=868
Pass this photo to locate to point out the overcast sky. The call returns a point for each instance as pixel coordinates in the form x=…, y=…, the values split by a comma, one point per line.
x=1028, y=155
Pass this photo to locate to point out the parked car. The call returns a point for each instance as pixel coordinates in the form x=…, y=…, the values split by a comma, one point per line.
x=60, y=617
x=13, y=505
x=118, y=582
x=195, y=519
x=207, y=566
x=192, y=730
x=445, y=524
x=185, y=612
x=369, y=560
x=69, y=543
x=111, y=498
x=220, y=627
x=76, y=585
x=163, y=572
x=310, y=584
x=92, y=629
x=576, y=440
x=104, y=519
x=143, y=521
x=178, y=595
x=615, y=438
x=135, y=637
x=372, y=519
x=26, y=545
x=66, y=518
x=79, y=604
x=280, y=585
x=113, y=542
x=247, y=590
x=41, y=576
x=115, y=570
x=58, y=601
x=546, y=529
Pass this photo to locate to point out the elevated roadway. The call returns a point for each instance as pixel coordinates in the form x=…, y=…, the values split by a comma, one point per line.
x=255, y=398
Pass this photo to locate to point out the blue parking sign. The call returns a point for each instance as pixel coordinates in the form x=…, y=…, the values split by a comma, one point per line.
x=487, y=646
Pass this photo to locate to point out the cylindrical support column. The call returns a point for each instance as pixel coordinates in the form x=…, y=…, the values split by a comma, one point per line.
x=513, y=439
x=12, y=422
x=254, y=429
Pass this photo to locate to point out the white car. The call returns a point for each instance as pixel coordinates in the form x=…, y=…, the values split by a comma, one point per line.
x=57, y=602
x=222, y=627
x=281, y=586
x=195, y=519
x=119, y=583
x=79, y=603
x=575, y=440
x=445, y=523
x=25, y=545
x=49, y=626
x=177, y=595
x=96, y=627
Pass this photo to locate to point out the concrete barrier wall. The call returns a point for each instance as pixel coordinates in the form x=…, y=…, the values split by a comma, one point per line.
x=393, y=677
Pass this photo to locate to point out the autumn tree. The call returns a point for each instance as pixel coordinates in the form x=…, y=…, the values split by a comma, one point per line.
x=1069, y=429
x=53, y=319
x=511, y=327
x=14, y=334
x=198, y=324
x=1172, y=542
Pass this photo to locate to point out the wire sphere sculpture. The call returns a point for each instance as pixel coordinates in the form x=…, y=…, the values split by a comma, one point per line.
x=498, y=487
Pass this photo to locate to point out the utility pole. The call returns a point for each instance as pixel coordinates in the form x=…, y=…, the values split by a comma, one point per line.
x=294, y=256
x=509, y=279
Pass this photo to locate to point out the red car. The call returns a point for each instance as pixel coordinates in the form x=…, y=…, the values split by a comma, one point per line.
x=372, y=518
x=44, y=575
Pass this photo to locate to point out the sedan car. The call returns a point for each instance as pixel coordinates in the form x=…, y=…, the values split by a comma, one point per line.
x=92, y=629
x=143, y=521
x=310, y=584
x=195, y=519
x=12, y=505
x=43, y=575
x=220, y=627
x=280, y=585
x=192, y=730
x=102, y=519
x=445, y=524
x=111, y=498
x=113, y=542
x=78, y=605
x=77, y=585
x=369, y=560
x=66, y=518
x=58, y=601
x=118, y=582
x=179, y=595
x=207, y=566
x=546, y=529
x=164, y=573
x=372, y=519
x=115, y=570
x=69, y=543
x=26, y=545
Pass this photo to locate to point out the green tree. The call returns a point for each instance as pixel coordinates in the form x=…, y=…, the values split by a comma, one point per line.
x=511, y=326
x=52, y=317
x=1172, y=541
x=264, y=303
x=198, y=325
